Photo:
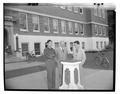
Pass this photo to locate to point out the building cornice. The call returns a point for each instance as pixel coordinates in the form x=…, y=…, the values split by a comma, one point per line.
x=42, y=14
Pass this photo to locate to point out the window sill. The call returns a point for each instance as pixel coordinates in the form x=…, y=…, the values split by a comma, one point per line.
x=24, y=30
x=36, y=31
x=55, y=32
x=46, y=31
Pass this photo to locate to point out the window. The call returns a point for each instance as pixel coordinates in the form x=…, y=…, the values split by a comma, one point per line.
x=100, y=30
x=76, y=29
x=103, y=13
x=101, y=44
x=81, y=10
x=105, y=44
x=35, y=21
x=46, y=24
x=96, y=29
x=24, y=48
x=76, y=9
x=37, y=48
x=81, y=29
x=63, y=26
x=56, y=44
x=99, y=12
x=70, y=28
x=83, y=45
x=69, y=8
x=95, y=11
x=55, y=25
x=23, y=21
x=104, y=31
x=97, y=45
x=71, y=46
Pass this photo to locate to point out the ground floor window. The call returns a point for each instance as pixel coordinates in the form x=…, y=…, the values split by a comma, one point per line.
x=97, y=44
x=83, y=45
x=56, y=44
x=101, y=44
x=71, y=46
x=105, y=44
x=24, y=48
x=37, y=48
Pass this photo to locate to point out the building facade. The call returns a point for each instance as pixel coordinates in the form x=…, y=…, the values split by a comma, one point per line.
x=28, y=27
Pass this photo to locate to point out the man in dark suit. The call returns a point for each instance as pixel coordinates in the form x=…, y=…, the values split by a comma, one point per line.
x=61, y=54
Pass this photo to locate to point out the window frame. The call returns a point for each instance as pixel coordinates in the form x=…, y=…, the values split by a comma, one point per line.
x=82, y=29
x=22, y=48
x=97, y=44
x=79, y=10
x=39, y=48
x=21, y=29
x=95, y=11
x=55, y=20
x=104, y=30
x=96, y=28
x=64, y=26
x=77, y=28
x=76, y=11
x=71, y=27
x=37, y=23
x=83, y=45
x=48, y=24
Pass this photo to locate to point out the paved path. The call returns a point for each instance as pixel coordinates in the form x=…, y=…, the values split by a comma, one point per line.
x=34, y=76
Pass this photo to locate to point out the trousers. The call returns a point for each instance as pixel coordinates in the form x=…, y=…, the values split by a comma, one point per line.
x=51, y=66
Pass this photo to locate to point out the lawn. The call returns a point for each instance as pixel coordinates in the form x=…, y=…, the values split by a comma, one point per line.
x=90, y=60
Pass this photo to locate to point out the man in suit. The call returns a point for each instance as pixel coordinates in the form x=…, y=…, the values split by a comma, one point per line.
x=61, y=54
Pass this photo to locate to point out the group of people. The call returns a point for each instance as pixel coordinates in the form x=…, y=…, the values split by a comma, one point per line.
x=54, y=58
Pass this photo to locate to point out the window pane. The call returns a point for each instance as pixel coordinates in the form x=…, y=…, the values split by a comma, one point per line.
x=101, y=44
x=23, y=21
x=99, y=12
x=76, y=28
x=75, y=9
x=63, y=26
x=81, y=29
x=46, y=23
x=83, y=45
x=97, y=45
x=37, y=48
x=96, y=29
x=55, y=25
x=100, y=30
x=103, y=13
x=81, y=10
x=70, y=27
x=71, y=46
x=35, y=21
x=95, y=11
x=24, y=48
x=104, y=31
x=56, y=44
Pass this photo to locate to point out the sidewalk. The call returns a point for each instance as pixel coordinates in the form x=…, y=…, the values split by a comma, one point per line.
x=13, y=59
x=21, y=65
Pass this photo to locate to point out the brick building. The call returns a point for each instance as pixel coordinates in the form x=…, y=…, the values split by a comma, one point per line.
x=27, y=27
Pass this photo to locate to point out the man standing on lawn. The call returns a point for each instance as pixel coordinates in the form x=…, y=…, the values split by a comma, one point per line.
x=61, y=54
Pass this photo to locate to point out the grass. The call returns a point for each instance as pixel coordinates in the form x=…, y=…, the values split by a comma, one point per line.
x=90, y=61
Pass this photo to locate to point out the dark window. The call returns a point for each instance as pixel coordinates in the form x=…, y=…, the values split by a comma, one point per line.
x=37, y=48
x=24, y=48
